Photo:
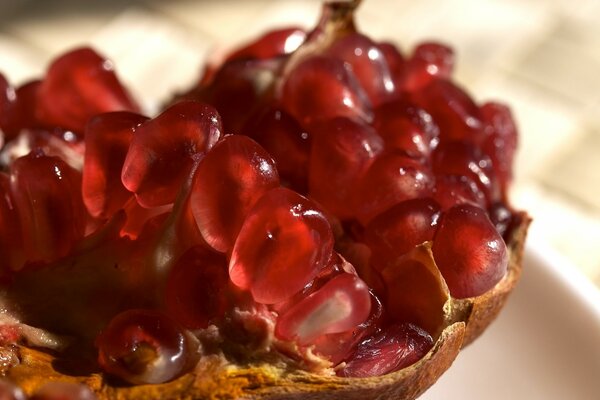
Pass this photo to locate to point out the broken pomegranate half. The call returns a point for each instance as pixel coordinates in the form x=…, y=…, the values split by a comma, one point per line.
x=321, y=215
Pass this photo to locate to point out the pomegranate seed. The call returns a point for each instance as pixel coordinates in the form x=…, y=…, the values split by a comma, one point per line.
x=107, y=139
x=142, y=346
x=288, y=144
x=469, y=251
x=396, y=231
x=395, y=61
x=18, y=109
x=283, y=244
x=457, y=116
x=451, y=190
x=465, y=159
x=340, y=305
x=392, y=349
x=392, y=178
x=9, y=391
x=342, y=151
x=11, y=242
x=500, y=140
x=368, y=64
x=197, y=288
x=51, y=213
x=415, y=291
x=77, y=86
x=227, y=183
x=429, y=61
x=272, y=44
x=501, y=217
x=406, y=127
x=320, y=88
x=138, y=216
x=163, y=151
x=63, y=391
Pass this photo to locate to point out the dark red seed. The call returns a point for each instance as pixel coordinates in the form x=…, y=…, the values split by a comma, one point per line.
x=18, y=110
x=396, y=231
x=451, y=190
x=164, y=149
x=396, y=63
x=77, y=86
x=407, y=128
x=392, y=349
x=141, y=347
x=501, y=217
x=342, y=151
x=469, y=252
x=107, y=139
x=11, y=242
x=283, y=244
x=429, y=61
x=227, y=183
x=272, y=44
x=320, y=88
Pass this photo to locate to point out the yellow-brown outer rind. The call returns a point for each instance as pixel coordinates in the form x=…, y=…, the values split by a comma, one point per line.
x=467, y=319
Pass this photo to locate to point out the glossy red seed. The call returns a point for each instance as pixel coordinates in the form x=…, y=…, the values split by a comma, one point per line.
x=63, y=391
x=286, y=141
x=283, y=244
x=368, y=63
x=391, y=179
x=107, y=139
x=501, y=217
x=77, y=86
x=392, y=349
x=396, y=231
x=272, y=44
x=451, y=190
x=457, y=116
x=11, y=242
x=320, y=88
x=141, y=347
x=465, y=159
x=500, y=141
x=227, y=183
x=340, y=305
x=342, y=151
x=469, y=252
x=407, y=128
x=164, y=149
x=10, y=391
x=428, y=61
x=396, y=63
x=18, y=108
x=197, y=288
x=51, y=213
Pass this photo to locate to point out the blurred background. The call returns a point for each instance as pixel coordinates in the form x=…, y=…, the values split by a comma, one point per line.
x=542, y=57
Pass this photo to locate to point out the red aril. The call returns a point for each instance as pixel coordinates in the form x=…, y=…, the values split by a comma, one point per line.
x=501, y=217
x=283, y=244
x=342, y=151
x=286, y=141
x=51, y=213
x=407, y=128
x=18, y=109
x=457, y=116
x=142, y=346
x=11, y=242
x=368, y=63
x=391, y=179
x=396, y=63
x=77, y=86
x=469, y=252
x=107, y=139
x=500, y=140
x=319, y=88
x=227, y=183
x=164, y=149
x=340, y=305
x=462, y=158
x=428, y=61
x=272, y=44
x=197, y=288
x=393, y=348
x=398, y=230
x=451, y=190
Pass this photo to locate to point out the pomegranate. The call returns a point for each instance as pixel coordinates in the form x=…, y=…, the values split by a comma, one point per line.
x=319, y=216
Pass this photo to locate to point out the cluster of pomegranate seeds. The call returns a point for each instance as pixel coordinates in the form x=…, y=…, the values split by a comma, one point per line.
x=326, y=184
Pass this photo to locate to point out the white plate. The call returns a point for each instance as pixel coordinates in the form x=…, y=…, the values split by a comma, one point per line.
x=545, y=344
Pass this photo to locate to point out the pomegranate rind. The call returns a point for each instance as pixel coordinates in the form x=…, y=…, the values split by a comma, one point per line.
x=215, y=378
